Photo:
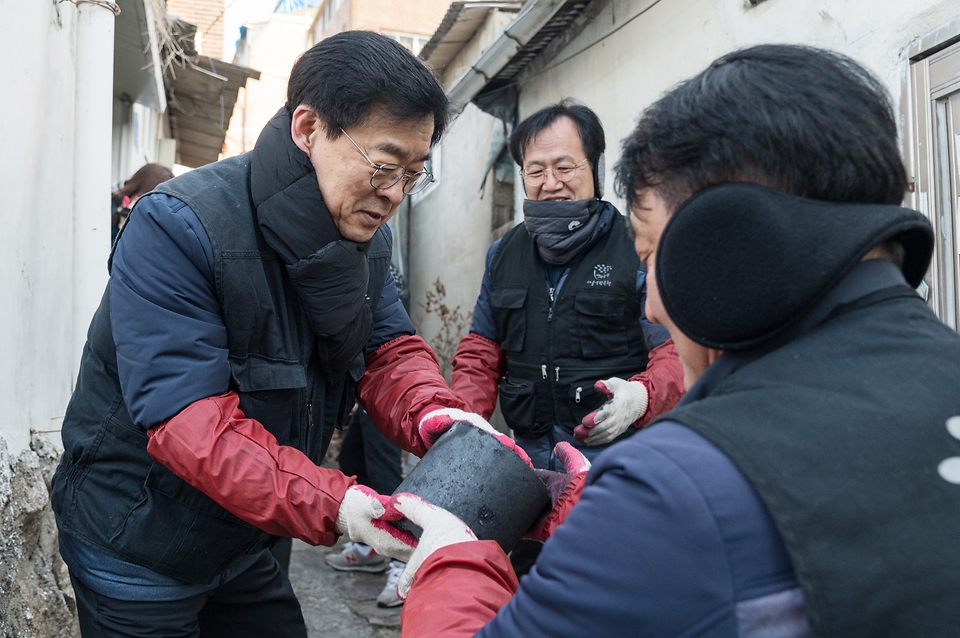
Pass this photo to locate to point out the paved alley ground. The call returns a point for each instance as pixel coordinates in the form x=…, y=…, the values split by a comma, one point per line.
x=339, y=604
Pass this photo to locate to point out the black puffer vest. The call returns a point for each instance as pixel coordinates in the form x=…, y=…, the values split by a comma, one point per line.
x=556, y=349
x=842, y=432
x=108, y=492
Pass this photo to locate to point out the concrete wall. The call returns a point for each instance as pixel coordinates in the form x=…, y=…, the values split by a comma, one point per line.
x=36, y=223
x=272, y=49
x=450, y=226
x=472, y=50
x=618, y=78
x=41, y=334
x=674, y=40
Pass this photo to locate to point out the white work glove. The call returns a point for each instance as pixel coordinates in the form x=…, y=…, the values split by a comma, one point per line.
x=440, y=528
x=436, y=423
x=627, y=402
x=362, y=518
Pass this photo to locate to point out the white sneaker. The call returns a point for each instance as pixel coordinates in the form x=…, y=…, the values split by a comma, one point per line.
x=388, y=597
x=357, y=557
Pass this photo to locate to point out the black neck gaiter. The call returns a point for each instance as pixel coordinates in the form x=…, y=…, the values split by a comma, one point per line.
x=329, y=273
x=561, y=229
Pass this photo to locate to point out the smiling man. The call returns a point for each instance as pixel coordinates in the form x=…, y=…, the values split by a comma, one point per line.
x=558, y=330
x=249, y=301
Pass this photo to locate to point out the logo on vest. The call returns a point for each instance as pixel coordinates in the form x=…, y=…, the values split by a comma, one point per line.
x=601, y=275
x=949, y=469
x=574, y=225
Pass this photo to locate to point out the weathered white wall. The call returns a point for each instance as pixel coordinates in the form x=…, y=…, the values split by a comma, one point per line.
x=618, y=78
x=472, y=50
x=36, y=219
x=677, y=38
x=450, y=227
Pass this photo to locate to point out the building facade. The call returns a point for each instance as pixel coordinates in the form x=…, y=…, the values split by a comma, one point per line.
x=618, y=56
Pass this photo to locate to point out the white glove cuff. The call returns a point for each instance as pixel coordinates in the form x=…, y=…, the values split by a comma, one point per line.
x=353, y=503
x=641, y=399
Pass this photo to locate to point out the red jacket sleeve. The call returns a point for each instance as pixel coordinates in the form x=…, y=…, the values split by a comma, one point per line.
x=457, y=590
x=477, y=369
x=401, y=384
x=663, y=379
x=212, y=446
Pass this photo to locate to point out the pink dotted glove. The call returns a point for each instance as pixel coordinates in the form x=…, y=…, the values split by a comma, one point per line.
x=627, y=403
x=435, y=424
x=564, y=489
x=440, y=528
x=365, y=517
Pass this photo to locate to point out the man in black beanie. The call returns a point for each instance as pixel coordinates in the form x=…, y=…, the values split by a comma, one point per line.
x=807, y=483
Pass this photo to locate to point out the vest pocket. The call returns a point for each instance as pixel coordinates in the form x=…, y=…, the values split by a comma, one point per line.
x=252, y=373
x=600, y=324
x=511, y=320
x=518, y=404
x=177, y=530
x=582, y=399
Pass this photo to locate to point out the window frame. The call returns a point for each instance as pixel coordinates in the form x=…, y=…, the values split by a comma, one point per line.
x=934, y=189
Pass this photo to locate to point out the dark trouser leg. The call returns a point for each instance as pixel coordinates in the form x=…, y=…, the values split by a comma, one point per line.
x=281, y=551
x=538, y=449
x=104, y=617
x=351, y=458
x=381, y=457
x=258, y=602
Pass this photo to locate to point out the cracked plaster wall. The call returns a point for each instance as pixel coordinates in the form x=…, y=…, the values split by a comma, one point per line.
x=36, y=598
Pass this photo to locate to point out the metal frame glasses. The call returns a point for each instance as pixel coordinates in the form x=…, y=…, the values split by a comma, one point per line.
x=563, y=173
x=386, y=175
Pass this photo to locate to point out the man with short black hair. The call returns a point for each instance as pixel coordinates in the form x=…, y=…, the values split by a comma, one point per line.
x=558, y=330
x=806, y=484
x=248, y=301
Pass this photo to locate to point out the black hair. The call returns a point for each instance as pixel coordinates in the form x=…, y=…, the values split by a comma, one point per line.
x=586, y=121
x=805, y=121
x=345, y=77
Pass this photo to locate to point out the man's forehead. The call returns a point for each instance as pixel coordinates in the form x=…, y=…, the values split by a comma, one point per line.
x=407, y=139
x=560, y=140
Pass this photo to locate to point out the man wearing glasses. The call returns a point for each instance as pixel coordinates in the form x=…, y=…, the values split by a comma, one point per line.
x=250, y=302
x=558, y=330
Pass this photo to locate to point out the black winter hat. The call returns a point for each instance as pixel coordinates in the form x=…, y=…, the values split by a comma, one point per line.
x=738, y=264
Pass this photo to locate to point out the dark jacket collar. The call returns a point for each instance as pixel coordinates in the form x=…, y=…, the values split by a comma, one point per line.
x=283, y=183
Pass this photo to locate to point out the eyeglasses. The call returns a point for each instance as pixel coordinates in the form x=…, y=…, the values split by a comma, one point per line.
x=562, y=173
x=386, y=175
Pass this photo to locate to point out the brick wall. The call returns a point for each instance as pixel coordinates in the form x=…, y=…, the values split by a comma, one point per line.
x=415, y=17
x=208, y=16
x=409, y=16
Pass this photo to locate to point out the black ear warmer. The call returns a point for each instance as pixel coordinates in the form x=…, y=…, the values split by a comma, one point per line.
x=598, y=175
x=738, y=263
